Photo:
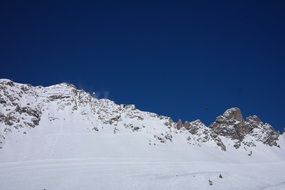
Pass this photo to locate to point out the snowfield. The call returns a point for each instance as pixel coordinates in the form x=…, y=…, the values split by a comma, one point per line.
x=123, y=161
x=107, y=173
x=62, y=138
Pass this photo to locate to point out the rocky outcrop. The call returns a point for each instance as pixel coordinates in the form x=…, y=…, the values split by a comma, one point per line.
x=199, y=133
x=232, y=125
x=262, y=132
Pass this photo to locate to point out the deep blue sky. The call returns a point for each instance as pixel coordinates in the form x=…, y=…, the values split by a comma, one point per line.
x=187, y=60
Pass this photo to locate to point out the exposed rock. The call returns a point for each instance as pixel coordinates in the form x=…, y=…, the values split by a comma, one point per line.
x=232, y=125
x=2, y=101
x=29, y=111
x=58, y=97
x=194, y=126
x=179, y=124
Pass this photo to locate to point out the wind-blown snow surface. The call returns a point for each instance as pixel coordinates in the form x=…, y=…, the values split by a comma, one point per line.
x=75, y=141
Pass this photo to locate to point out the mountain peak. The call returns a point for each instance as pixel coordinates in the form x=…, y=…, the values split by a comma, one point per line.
x=5, y=80
x=233, y=113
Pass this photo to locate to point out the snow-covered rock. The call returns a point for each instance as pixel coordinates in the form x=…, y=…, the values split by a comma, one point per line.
x=245, y=132
x=61, y=137
x=63, y=107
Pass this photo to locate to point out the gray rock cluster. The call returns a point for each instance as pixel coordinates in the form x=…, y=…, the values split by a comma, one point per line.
x=232, y=125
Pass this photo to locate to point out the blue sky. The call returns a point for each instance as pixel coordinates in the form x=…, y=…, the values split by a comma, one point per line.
x=187, y=60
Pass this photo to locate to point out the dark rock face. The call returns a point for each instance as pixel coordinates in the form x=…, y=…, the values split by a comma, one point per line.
x=271, y=138
x=29, y=111
x=57, y=97
x=13, y=114
x=200, y=132
x=232, y=125
x=193, y=127
x=179, y=124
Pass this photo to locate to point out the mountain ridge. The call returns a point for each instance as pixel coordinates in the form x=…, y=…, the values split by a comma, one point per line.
x=25, y=107
x=61, y=137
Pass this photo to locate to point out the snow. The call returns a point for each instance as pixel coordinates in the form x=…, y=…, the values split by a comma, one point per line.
x=66, y=161
x=107, y=173
x=64, y=152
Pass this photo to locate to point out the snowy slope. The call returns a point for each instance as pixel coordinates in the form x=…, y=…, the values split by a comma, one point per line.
x=60, y=137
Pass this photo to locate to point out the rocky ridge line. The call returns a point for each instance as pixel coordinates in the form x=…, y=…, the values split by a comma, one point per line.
x=23, y=107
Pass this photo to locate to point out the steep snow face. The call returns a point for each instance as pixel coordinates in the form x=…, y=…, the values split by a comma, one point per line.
x=47, y=115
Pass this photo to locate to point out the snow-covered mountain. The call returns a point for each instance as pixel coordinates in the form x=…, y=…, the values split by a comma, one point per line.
x=63, y=126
